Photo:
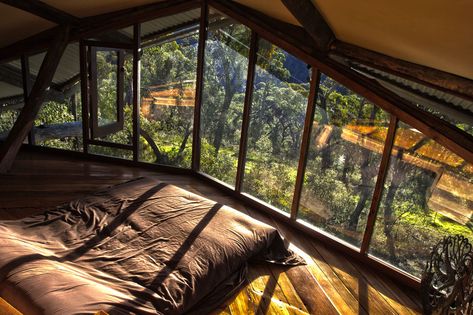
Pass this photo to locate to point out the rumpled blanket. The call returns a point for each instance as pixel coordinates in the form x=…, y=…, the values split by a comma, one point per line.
x=141, y=247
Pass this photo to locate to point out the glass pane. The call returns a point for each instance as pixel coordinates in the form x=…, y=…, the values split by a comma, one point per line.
x=427, y=195
x=168, y=73
x=278, y=109
x=107, y=71
x=107, y=95
x=226, y=64
x=59, y=121
x=346, y=144
x=11, y=95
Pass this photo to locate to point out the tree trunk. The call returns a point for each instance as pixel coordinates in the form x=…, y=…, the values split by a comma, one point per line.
x=346, y=166
x=160, y=158
x=326, y=150
x=389, y=220
x=184, y=141
x=355, y=216
x=221, y=121
x=367, y=173
x=230, y=90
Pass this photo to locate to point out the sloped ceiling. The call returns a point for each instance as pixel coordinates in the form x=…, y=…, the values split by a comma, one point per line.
x=434, y=33
x=16, y=25
x=83, y=8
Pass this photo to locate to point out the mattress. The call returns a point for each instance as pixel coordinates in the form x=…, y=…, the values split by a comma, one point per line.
x=143, y=247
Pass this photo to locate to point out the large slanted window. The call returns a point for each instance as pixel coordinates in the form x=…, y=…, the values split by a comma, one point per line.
x=278, y=107
x=226, y=64
x=168, y=74
x=346, y=143
x=428, y=194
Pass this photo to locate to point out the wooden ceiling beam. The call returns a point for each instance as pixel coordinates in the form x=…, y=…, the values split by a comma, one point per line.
x=438, y=79
x=25, y=120
x=44, y=11
x=313, y=22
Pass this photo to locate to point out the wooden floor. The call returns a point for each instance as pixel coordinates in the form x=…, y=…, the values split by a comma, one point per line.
x=329, y=284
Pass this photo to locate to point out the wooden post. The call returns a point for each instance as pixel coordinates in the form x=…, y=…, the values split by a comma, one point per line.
x=309, y=117
x=84, y=85
x=313, y=22
x=25, y=120
x=199, y=86
x=378, y=190
x=26, y=76
x=247, y=111
x=136, y=90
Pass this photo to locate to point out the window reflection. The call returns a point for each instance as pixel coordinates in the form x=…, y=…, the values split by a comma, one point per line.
x=427, y=195
x=346, y=144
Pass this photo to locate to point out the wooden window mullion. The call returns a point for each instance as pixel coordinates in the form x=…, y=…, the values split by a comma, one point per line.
x=309, y=117
x=378, y=190
x=247, y=110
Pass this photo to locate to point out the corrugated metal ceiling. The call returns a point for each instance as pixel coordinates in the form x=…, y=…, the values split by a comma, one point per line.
x=69, y=65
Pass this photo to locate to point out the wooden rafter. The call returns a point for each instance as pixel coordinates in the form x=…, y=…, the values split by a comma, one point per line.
x=25, y=120
x=27, y=85
x=313, y=22
x=435, y=78
x=44, y=11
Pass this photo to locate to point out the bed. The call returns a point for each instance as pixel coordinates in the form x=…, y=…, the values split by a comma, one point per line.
x=142, y=247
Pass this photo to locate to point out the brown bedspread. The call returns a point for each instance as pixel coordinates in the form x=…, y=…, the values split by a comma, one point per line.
x=141, y=247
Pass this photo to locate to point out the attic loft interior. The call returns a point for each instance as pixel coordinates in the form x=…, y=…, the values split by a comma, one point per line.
x=356, y=147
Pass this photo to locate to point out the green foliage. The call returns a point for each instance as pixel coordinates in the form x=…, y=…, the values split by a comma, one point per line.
x=222, y=165
x=271, y=182
x=54, y=113
x=7, y=120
